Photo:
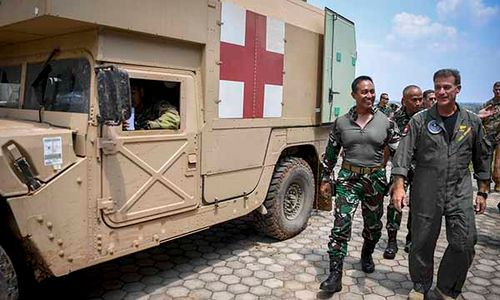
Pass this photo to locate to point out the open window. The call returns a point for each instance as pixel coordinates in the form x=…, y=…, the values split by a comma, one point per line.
x=10, y=86
x=339, y=66
x=155, y=105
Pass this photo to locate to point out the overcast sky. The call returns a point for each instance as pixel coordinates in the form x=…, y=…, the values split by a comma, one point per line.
x=403, y=42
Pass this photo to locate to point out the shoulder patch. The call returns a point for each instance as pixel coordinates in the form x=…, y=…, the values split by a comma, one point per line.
x=406, y=129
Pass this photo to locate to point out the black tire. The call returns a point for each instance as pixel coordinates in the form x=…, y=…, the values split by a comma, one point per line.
x=289, y=200
x=9, y=288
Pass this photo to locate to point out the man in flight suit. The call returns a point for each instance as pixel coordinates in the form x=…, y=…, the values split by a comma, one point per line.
x=412, y=103
x=363, y=133
x=442, y=141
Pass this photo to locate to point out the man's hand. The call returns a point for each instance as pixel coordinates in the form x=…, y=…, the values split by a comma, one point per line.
x=398, y=194
x=480, y=206
x=325, y=189
x=486, y=112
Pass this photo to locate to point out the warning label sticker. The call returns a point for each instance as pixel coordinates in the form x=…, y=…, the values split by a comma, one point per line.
x=52, y=151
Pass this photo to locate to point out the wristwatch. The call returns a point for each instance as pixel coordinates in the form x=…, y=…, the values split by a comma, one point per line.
x=483, y=194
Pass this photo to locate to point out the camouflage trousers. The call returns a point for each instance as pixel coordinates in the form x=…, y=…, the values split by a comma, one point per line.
x=352, y=188
x=394, y=217
x=394, y=220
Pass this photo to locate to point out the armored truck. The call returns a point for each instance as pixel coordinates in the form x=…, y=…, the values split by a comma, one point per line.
x=254, y=83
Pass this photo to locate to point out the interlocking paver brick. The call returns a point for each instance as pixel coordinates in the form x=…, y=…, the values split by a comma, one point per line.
x=200, y=294
x=223, y=270
x=238, y=288
x=114, y=295
x=230, y=279
x=222, y=296
x=247, y=296
x=193, y=284
x=136, y=296
x=234, y=261
x=216, y=286
x=260, y=291
x=273, y=283
x=304, y=277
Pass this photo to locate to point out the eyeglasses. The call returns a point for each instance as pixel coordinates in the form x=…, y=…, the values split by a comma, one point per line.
x=384, y=98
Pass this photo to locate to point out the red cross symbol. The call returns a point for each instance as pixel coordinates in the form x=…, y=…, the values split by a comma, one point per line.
x=252, y=64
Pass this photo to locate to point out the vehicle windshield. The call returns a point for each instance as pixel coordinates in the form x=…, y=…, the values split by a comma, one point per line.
x=10, y=85
x=64, y=85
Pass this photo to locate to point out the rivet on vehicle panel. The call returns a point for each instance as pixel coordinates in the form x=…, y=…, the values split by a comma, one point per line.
x=99, y=243
x=49, y=225
x=59, y=242
x=79, y=180
x=111, y=250
x=156, y=238
x=99, y=237
x=136, y=243
x=99, y=248
x=61, y=253
x=51, y=236
x=70, y=259
x=39, y=219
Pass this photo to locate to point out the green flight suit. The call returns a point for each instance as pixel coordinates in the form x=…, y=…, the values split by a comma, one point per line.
x=442, y=186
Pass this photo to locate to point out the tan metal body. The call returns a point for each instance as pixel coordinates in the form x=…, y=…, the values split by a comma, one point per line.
x=118, y=192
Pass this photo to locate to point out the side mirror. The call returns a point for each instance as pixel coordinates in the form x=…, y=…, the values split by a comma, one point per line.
x=113, y=91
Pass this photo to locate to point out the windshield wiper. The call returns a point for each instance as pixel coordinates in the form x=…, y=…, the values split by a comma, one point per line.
x=41, y=81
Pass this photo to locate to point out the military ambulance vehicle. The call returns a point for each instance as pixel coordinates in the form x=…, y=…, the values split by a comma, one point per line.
x=255, y=83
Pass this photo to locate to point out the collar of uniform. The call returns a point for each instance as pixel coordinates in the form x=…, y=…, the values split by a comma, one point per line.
x=353, y=114
x=435, y=115
x=462, y=116
x=494, y=101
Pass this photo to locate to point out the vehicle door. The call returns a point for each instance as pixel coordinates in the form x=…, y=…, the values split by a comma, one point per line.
x=151, y=173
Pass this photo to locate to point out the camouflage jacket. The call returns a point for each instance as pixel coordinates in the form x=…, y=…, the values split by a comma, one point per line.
x=492, y=123
x=337, y=133
x=401, y=118
x=161, y=115
x=386, y=109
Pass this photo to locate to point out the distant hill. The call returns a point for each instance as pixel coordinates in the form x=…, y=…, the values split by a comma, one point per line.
x=472, y=106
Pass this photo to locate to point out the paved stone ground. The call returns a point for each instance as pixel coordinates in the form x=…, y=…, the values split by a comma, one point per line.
x=233, y=261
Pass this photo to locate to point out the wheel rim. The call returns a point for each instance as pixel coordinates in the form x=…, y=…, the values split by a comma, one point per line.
x=294, y=199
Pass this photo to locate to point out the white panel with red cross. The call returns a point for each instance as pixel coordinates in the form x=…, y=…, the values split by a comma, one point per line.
x=252, y=52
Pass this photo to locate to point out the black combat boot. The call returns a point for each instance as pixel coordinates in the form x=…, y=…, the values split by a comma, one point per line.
x=367, y=264
x=334, y=281
x=392, y=245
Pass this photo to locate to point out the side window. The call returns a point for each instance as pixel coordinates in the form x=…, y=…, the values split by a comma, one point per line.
x=155, y=105
x=64, y=85
x=10, y=84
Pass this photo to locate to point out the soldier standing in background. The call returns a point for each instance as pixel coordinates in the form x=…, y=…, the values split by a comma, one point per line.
x=442, y=141
x=412, y=103
x=490, y=115
x=363, y=133
x=383, y=105
x=429, y=98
